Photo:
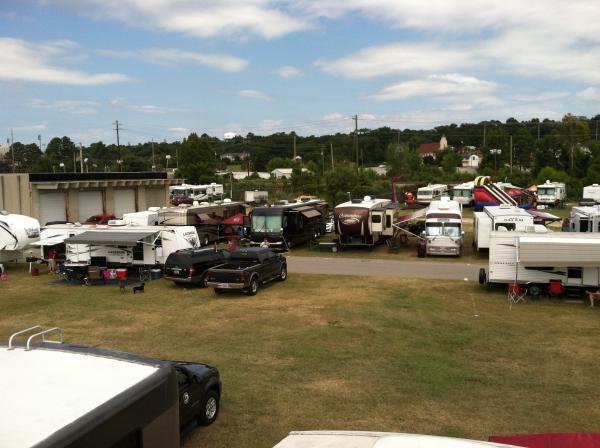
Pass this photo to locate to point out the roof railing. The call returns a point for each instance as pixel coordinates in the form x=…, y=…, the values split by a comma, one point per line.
x=41, y=333
x=18, y=333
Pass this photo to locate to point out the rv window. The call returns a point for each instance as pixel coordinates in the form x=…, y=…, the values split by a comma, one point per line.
x=452, y=229
x=376, y=219
x=182, y=378
x=583, y=225
x=545, y=191
x=266, y=223
x=505, y=225
x=575, y=272
x=434, y=229
x=388, y=221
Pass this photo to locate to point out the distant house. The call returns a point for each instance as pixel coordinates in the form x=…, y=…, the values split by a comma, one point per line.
x=471, y=161
x=432, y=149
x=380, y=170
x=239, y=175
x=4, y=148
x=285, y=173
x=232, y=156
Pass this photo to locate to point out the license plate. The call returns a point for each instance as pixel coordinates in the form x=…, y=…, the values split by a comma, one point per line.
x=223, y=285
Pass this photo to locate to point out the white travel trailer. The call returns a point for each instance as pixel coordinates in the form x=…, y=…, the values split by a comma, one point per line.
x=463, y=193
x=144, y=218
x=17, y=232
x=122, y=245
x=537, y=257
x=584, y=219
x=592, y=192
x=431, y=193
x=53, y=236
x=195, y=192
x=443, y=234
x=256, y=196
x=495, y=217
x=364, y=222
x=551, y=193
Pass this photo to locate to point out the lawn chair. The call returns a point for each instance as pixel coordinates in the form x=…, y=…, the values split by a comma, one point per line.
x=393, y=245
x=556, y=288
x=516, y=293
x=94, y=274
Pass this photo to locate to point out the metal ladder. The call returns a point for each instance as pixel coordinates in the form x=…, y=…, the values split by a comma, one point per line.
x=41, y=333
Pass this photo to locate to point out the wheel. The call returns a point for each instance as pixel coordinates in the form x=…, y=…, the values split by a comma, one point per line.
x=334, y=249
x=205, y=240
x=219, y=291
x=210, y=408
x=204, y=282
x=283, y=273
x=253, y=287
x=534, y=291
x=482, y=276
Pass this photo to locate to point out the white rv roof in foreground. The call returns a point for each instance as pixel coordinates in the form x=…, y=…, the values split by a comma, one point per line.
x=45, y=390
x=505, y=210
x=357, y=439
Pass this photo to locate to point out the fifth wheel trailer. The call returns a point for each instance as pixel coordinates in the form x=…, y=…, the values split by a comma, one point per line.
x=364, y=222
x=494, y=217
x=17, y=232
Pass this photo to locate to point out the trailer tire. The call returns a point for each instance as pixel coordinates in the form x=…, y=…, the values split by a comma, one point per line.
x=534, y=291
x=482, y=276
x=252, y=287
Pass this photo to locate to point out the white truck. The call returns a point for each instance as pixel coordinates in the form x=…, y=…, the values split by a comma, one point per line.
x=443, y=234
x=463, y=193
x=536, y=257
x=591, y=195
x=495, y=217
x=431, y=192
x=551, y=193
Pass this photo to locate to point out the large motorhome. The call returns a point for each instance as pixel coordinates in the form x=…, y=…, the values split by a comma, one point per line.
x=288, y=223
x=551, y=193
x=186, y=194
x=364, y=222
x=208, y=218
x=591, y=193
x=120, y=245
x=584, y=219
x=256, y=197
x=16, y=233
x=443, y=234
x=495, y=217
x=537, y=257
x=463, y=193
x=431, y=193
x=84, y=396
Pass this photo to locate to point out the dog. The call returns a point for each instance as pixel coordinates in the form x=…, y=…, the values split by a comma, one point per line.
x=593, y=296
x=139, y=288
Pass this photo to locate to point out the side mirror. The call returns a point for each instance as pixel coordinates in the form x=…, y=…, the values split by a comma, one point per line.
x=423, y=233
x=462, y=232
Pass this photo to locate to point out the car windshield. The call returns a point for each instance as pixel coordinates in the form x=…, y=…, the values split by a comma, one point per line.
x=545, y=191
x=452, y=229
x=266, y=223
x=462, y=193
x=180, y=193
x=442, y=229
x=434, y=229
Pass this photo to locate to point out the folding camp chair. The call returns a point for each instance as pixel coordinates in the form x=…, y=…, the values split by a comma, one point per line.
x=516, y=293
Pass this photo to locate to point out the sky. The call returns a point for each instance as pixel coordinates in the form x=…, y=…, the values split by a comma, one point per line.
x=165, y=68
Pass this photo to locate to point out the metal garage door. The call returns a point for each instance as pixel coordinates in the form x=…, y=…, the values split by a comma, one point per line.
x=90, y=203
x=124, y=202
x=53, y=207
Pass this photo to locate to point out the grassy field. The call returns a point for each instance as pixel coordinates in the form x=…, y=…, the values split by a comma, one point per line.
x=320, y=352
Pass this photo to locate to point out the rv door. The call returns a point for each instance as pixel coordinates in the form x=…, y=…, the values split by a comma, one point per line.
x=377, y=221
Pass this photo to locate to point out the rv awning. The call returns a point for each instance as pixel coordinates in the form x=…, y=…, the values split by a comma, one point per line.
x=110, y=238
x=235, y=220
x=51, y=241
x=559, y=251
x=411, y=216
x=312, y=213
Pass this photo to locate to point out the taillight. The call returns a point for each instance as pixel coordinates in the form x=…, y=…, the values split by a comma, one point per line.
x=192, y=272
x=242, y=276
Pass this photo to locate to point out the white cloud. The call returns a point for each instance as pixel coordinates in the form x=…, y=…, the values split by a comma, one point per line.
x=174, y=56
x=589, y=94
x=31, y=127
x=269, y=125
x=83, y=107
x=287, y=72
x=248, y=93
x=180, y=131
x=38, y=62
x=199, y=18
x=145, y=108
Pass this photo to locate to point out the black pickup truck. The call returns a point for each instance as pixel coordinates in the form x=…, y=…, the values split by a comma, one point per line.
x=246, y=270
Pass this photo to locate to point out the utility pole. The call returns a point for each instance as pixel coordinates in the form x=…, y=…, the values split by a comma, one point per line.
x=322, y=160
x=80, y=157
x=331, y=150
x=40, y=141
x=355, y=118
x=12, y=149
x=153, y=164
x=511, y=154
x=118, y=141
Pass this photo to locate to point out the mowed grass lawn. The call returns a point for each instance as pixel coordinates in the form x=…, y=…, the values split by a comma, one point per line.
x=321, y=352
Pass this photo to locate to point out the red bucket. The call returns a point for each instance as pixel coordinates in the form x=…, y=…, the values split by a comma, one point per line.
x=121, y=274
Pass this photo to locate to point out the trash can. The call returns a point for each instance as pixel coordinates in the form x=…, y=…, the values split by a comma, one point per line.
x=155, y=274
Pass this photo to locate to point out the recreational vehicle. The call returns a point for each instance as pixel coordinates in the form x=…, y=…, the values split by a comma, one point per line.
x=463, y=193
x=256, y=197
x=53, y=236
x=62, y=395
x=584, y=219
x=591, y=193
x=364, y=222
x=122, y=245
x=443, y=234
x=537, y=258
x=431, y=193
x=187, y=194
x=288, y=223
x=551, y=193
x=143, y=218
x=497, y=217
x=210, y=219
x=17, y=232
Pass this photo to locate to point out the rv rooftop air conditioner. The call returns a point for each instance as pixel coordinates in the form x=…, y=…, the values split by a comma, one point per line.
x=227, y=200
x=367, y=199
x=116, y=222
x=504, y=206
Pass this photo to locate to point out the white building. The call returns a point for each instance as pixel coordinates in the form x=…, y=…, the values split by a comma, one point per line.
x=380, y=170
x=4, y=148
x=239, y=175
x=285, y=173
x=471, y=161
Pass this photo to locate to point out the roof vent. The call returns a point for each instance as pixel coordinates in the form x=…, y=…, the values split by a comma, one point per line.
x=116, y=222
x=356, y=201
x=227, y=200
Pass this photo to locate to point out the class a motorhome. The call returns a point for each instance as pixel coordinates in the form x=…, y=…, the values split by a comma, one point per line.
x=195, y=192
x=364, y=222
x=584, y=219
x=551, y=193
x=256, y=197
x=463, y=193
x=592, y=192
x=288, y=223
x=127, y=246
x=443, y=234
x=535, y=257
x=492, y=218
x=432, y=192
x=17, y=232
x=86, y=396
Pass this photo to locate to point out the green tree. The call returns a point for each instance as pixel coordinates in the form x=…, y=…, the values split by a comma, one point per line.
x=197, y=162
